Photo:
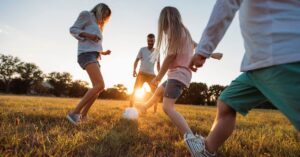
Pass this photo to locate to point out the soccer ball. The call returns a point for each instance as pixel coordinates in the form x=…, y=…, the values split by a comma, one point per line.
x=130, y=113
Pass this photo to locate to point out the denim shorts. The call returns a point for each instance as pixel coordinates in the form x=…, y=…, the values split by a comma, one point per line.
x=87, y=58
x=173, y=88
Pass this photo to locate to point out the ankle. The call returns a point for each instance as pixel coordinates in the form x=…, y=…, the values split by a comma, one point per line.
x=72, y=112
x=208, y=148
x=145, y=107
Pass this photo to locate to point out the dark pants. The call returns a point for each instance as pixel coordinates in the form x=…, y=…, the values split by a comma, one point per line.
x=140, y=80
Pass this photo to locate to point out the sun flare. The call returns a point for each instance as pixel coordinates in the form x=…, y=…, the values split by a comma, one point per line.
x=139, y=93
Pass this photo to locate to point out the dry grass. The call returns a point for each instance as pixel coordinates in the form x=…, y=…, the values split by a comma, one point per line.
x=36, y=126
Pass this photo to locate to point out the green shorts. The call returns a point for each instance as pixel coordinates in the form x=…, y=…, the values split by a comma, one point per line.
x=279, y=84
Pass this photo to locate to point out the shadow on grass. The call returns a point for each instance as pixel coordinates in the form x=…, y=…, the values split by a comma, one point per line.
x=37, y=121
x=123, y=139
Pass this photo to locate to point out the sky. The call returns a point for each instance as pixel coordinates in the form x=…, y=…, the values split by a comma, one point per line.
x=38, y=32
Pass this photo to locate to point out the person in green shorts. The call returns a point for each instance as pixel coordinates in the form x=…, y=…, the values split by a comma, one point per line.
x=271, y=64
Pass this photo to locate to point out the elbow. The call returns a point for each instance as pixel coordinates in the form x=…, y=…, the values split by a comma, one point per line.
x=73, y=30
x=136, y=62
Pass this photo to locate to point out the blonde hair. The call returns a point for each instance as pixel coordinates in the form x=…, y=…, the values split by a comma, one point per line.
x=171, y=30
x=99, y=11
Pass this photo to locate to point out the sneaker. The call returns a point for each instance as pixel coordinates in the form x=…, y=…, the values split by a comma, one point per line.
x=196, y=145
x=206, y=153
x=73, y=118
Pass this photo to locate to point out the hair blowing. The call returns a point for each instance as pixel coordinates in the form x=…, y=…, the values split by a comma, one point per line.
x=171, y=30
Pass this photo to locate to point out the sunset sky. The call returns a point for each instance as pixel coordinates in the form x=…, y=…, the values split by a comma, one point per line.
x=38, y=31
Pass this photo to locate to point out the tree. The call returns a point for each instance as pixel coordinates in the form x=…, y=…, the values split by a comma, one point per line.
x=196, y=94
x=118, y=92
x=41, y=88
x=60, y=83
x=2, y=86
x=122, y=91
x=121, y=88
x=213, y=94
x=30, y=74
x=8, y=68
x=78, y=88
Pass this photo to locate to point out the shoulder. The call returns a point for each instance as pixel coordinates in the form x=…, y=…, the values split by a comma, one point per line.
x=142, y=49
x=85, y=13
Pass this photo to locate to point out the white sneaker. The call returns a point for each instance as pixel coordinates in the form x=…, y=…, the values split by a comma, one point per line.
x=206, y=153
x=196, y=145
x=73, y=118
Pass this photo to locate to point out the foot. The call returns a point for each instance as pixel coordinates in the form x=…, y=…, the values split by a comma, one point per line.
x=73, y=118
x=141, y=108
x=196, y=146
x=84, y=118
x=131, y=103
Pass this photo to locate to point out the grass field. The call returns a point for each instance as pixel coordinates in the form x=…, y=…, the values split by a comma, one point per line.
x=36, y=126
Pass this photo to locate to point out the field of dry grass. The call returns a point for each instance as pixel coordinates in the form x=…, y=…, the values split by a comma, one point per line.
x=36, y=126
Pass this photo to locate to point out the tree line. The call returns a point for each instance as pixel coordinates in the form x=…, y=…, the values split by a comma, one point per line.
x=18, y=77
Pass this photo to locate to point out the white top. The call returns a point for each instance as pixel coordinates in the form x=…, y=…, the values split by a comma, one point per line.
x=86, y=22
x=270, y=28
x=148, y=60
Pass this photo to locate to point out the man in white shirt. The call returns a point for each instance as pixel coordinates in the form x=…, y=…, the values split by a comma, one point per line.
x=271, y=64
x=148, y=57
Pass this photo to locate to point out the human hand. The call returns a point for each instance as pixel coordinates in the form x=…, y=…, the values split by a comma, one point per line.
x=134, y=73
x=217, y=56
x=155, y=81
x=93, y=37
x=196, y=62
x=107, y=52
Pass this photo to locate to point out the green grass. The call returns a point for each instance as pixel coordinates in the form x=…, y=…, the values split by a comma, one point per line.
x=36, y=126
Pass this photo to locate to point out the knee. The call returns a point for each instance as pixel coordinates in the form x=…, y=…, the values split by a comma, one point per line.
x=224, y=110
x=99, y=87
x=167, y=109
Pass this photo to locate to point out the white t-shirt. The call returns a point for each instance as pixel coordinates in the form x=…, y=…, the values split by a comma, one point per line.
x=270, y=28
x=148, y=60
x=86, y=22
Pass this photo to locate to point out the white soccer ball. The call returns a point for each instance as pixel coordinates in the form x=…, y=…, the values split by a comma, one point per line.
x=130, y=113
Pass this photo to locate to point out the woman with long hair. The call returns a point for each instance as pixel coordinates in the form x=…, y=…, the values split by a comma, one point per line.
x=88, y=29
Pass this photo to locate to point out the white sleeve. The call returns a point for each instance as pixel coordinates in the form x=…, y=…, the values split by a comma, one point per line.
x=79, y=24
x=219, y=21
x=140, y=55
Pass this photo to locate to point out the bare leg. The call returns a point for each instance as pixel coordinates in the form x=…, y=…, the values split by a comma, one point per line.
x=153, y=100
x=88, y=105
x=131, y=101
x=155, y=107
x=176, y=118
x=222, y=128
x=155, y=97
x=138, y=84
x=153, y=89
x=98, y=85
